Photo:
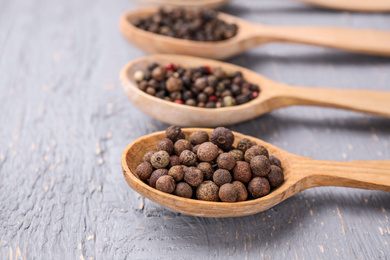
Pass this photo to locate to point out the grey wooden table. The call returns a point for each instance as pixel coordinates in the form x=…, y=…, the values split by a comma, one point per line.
x=65, y=121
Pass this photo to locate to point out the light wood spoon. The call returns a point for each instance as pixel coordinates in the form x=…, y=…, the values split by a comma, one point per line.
x=250, y=35
x=273, y=95
x=300, y=173
x=346, y=5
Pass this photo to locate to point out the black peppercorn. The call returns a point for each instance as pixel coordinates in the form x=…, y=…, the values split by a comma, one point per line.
x=207, y=191
x=165, y=145
x=199, y=137
x=259, y=187
x=222, y=176
x=222, y=137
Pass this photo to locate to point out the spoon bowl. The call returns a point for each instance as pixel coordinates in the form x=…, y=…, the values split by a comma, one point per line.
x=251, y=35
x=273, y=95
x=300, y=173
x=212, y=4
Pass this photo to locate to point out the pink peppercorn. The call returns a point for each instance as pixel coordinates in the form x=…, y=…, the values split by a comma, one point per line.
x=170, y=66
x=213, y=98
x=178, y=101
x=255, y=94
x=207, y=69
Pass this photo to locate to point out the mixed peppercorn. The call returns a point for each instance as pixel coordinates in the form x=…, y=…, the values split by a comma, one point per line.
x=201, y=87
x=210, y=168
x=188, y=23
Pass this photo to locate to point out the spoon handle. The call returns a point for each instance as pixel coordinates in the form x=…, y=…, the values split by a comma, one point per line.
x=352, y=40
x=348, y=5
x=367, y=101
x=373, y=175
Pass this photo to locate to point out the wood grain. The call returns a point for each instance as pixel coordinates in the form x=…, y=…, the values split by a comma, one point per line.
x=65, y=121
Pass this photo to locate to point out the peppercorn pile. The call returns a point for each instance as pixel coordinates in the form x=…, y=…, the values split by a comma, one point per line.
x=209, y=167
x=201, y=87
x=188, y=23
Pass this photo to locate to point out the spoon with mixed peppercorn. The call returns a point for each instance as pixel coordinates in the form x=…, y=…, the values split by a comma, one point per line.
x=162, y=31
x=197, y=194
x=265, y=95
x=347, y=5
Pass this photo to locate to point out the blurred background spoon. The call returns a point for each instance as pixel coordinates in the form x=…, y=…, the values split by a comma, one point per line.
x=273, y=95
x=300, y=173
x=346, y=5
x=250, y=35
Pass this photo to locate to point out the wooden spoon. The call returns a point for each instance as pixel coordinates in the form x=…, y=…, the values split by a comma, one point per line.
x=300, y=173
x=212, y=4
x=346, y=5
x=273, y=95
x=250, y=35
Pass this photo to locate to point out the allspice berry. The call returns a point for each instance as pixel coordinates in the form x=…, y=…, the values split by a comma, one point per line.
x=181, y=145
x=237, y=154
x=242, y=192
x=144, y=170
x=173, y=132
x=275, y=176
x=228, y=193
x=242, y=172
x=207, y=152
x=244, y=144
x=156, y=175
x=183, y=190
x=166, y=184
x=148, y=156
x=226, y=161
x=199, y=137
x=174, y=84
x=160, y=159
x=177, y=172
x=165, y=145
x=254, y=151
x=207, y=170
x=187, y=158
x=259, y=187
x=193, y=176
x=158, y=73
x=275, y=161
x=208, y=191
x=222, y=176
x=175, y=160
x=260, y=166
x=222, y=137
x=195, y=149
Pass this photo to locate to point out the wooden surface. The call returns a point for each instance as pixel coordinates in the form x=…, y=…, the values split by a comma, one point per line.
x=65, y=122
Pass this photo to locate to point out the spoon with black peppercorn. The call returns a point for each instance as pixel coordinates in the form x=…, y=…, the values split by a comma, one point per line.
x=347, y=5
x=300, y=173
x=272, y=95
x=250, y=35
